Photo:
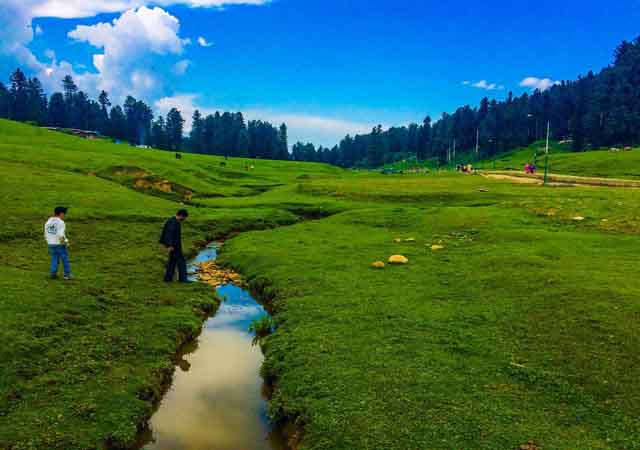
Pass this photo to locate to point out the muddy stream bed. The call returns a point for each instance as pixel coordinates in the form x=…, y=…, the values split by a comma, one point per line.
x=217, y=399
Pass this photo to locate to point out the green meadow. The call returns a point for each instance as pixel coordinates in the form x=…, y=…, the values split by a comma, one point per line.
x=597, y=163
x=523, y=326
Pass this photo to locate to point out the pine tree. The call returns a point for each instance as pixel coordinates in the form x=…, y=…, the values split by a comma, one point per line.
x=18, y=108
x=283, y=145
x=5, y=102
x=117, y=123
x=57, y=110
x=159, y=134
x=375, y=148
x=105, y=103
x=197, y=133
x=36, y=102
x=174, y=126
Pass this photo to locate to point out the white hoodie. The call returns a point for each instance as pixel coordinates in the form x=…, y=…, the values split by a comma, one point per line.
x=54, y=231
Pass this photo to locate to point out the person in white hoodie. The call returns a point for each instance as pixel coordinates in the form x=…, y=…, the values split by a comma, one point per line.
x=54, y=234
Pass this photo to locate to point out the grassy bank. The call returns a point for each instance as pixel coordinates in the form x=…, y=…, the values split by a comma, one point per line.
x=523, y=327
x=83, y=361
x=596, y=163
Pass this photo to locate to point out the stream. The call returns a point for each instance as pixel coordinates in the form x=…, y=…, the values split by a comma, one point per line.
x=216, y=400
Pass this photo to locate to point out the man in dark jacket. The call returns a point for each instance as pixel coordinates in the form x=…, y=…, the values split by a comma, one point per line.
x=171, y=238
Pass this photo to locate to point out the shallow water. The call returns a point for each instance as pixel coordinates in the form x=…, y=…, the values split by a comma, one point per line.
x=216, y=401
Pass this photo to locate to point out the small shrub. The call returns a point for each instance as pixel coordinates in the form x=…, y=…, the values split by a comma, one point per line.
x=261, y=329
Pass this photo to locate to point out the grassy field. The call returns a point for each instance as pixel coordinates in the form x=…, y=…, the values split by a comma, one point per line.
x=525, y=326
x=597, y=163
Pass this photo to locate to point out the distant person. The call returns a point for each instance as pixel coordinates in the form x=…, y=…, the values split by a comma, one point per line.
x=56, y=238
x=171, y=238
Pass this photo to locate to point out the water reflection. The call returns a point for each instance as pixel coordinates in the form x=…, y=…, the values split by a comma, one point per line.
x=216, y=401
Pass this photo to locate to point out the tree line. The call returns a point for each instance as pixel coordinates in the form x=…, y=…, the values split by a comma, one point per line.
x=227, y=134
x=594, y=111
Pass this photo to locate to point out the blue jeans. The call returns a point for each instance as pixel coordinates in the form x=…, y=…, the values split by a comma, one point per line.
x=59, y=252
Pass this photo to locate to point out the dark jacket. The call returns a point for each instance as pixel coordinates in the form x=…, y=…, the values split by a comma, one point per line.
x=172, y=234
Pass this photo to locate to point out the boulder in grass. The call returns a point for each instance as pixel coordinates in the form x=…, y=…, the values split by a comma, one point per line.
x=378, y=265
x=578, y=218
x=398, y=259
x=410, y=240
x=397, y=240
x=437, y=248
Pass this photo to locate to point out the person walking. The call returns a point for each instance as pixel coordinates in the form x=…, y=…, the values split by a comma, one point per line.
x=56, y=238
x=171, y=238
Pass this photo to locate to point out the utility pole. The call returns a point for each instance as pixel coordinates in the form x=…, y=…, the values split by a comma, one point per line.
x=546, y=156
x=478, y=143
x=454, y=149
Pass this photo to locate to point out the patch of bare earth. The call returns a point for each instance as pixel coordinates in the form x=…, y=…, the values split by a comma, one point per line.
x=529, y=446
x=513, y=179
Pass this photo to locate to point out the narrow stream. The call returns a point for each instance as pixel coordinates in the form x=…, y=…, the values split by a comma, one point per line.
x=216, y=401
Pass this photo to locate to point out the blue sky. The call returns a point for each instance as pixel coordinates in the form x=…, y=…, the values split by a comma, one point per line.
x=327, y=67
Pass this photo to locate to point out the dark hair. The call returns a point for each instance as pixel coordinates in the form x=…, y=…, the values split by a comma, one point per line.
x=60, y=210
x=183, y=213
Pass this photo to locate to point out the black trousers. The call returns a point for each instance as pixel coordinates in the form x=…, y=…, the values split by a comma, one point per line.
x=176, y=259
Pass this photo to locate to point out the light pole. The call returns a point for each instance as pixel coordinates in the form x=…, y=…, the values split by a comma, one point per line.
x=535, y=153
x=546, y=155
x=478, y=144
x=454, y=150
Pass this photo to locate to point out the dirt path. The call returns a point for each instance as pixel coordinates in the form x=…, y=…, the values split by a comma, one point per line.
x=559, y=180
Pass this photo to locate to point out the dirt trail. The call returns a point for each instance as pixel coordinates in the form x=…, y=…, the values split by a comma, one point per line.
x=560, y=180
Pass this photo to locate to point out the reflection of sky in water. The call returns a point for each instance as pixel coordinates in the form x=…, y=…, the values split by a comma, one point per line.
x=217, y=404
x=238, y=309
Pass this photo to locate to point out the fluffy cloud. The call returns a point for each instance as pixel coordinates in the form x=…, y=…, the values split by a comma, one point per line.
x=203, y=42
x=302, y=126
x=132, y=46
x=153, y=30
x=541, y=84
x=17, y=31
x=69, y=9
x=484, y=84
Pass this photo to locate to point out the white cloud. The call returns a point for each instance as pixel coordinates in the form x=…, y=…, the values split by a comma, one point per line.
x=38, y=30
x=180, y=68
x=69, y=9
x=203, y=42
x=50, y=54
x=466, y=83
x=17, y=31
x=541, y=84
x=135, y=47
x=154, y=30
x=484, y=84
x=304, y=127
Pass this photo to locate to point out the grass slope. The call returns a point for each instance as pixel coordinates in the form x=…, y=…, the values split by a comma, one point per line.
x=596, y=163
x=83, y=360
x=524, y=327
